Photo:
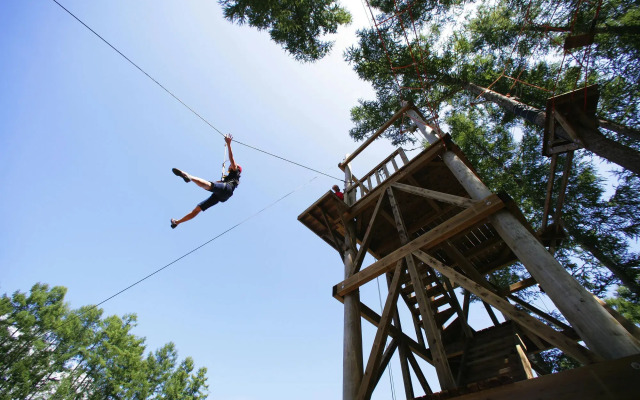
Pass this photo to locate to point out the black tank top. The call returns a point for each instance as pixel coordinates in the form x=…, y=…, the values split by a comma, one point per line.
x=233, y=178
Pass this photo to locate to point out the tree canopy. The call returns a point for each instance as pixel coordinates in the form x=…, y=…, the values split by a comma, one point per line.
x=297, y=25
x=516, y=49
x=49, y=351
x=444, y=55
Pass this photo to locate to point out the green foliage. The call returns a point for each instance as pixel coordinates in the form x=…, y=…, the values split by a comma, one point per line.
x=523, y=39
x=296, y=25
x=627, y=304
x=49, y=351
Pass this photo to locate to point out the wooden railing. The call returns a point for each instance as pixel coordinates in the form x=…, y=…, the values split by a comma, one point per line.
x=361, y=187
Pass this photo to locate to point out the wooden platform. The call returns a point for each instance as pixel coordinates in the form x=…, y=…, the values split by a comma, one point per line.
x=476, y=241
x=427, y=236
x=609, y=380
x=569, y=113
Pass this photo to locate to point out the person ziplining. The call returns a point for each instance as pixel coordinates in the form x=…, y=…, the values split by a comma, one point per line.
x=221, y=190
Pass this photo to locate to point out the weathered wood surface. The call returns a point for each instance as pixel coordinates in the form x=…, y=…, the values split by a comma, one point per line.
x=437, y=235
x=431, y=326
x=609, y=380
x=556, y=338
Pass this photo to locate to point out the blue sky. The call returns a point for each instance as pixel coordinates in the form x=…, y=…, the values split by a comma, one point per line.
x=87, y=146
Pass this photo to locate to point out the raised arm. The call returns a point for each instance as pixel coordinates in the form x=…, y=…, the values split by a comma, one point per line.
x=228, y=138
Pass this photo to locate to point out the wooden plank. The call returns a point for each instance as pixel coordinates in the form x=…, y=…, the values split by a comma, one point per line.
x=381, y=164
x=547, y=200
x=610, y=380
x=364, y=246
x=492, y=315
x=540, y=313
x=403, y=351
x=556, y=338
x=386, y=357
x=431, y=203
x=374, y=319
x=437, y=235
x=395, y=164
x=403, y=156
x=418, y=348
x=564, y=148
x=568, y=127
x=522, y=354
x=360, y=185
x=453, y=300
x=562, y=190
x=386, y=170
x=381, y=336
x=333, y=235
x=431, y=328
x=432, y=194
x=523, y=284
x=375, y=135
x=419, y=374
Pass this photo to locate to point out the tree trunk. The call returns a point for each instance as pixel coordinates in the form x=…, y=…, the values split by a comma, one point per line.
x=593, y=140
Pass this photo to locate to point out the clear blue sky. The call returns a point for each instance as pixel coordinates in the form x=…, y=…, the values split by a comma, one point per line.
x=87, y=146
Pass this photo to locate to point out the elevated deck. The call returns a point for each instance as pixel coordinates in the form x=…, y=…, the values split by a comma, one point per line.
x=477, y=242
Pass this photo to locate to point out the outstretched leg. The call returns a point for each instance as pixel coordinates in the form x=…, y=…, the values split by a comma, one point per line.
x=206, y=185
x=186, y=218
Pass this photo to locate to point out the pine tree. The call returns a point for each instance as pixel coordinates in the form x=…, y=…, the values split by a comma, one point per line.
x=48, y=351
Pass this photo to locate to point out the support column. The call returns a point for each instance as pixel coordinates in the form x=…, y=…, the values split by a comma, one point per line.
x=352, y=364
x=599, y=330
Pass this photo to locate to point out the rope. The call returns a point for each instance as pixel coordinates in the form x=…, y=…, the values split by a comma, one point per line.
x=182, y=102
x=206, y=243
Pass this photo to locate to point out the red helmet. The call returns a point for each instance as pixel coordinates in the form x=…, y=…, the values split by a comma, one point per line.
x=239, y=168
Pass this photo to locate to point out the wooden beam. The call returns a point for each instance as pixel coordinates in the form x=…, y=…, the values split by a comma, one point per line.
x=539, y=313
x=419, y=374
x=364, y=246
x=360, y=185
x=386, y=357
x=567, y=127
x=381, y=337
x=434, y=337
x=547, y=200
x=437, y=235
x=333, y=235
x=374, y=318
x=492, y=315
x=373, y=137
x=432, y=194
x=403, y=351
x=523, y=284
x=610, y=380
x=562, y=191
x=371, y=316
x=556, y=338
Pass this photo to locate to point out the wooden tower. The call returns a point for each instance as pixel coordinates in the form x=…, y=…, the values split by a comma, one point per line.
x=433, y=227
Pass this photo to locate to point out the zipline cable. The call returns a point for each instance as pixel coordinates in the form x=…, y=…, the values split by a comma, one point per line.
x=182, y=102
x=43, y=332
x=207, y=242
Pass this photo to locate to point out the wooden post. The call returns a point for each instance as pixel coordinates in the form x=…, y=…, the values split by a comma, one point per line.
x=352, y=364
x=599, y=330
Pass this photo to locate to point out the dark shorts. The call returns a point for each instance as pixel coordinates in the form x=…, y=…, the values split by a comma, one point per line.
x=220, y=193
